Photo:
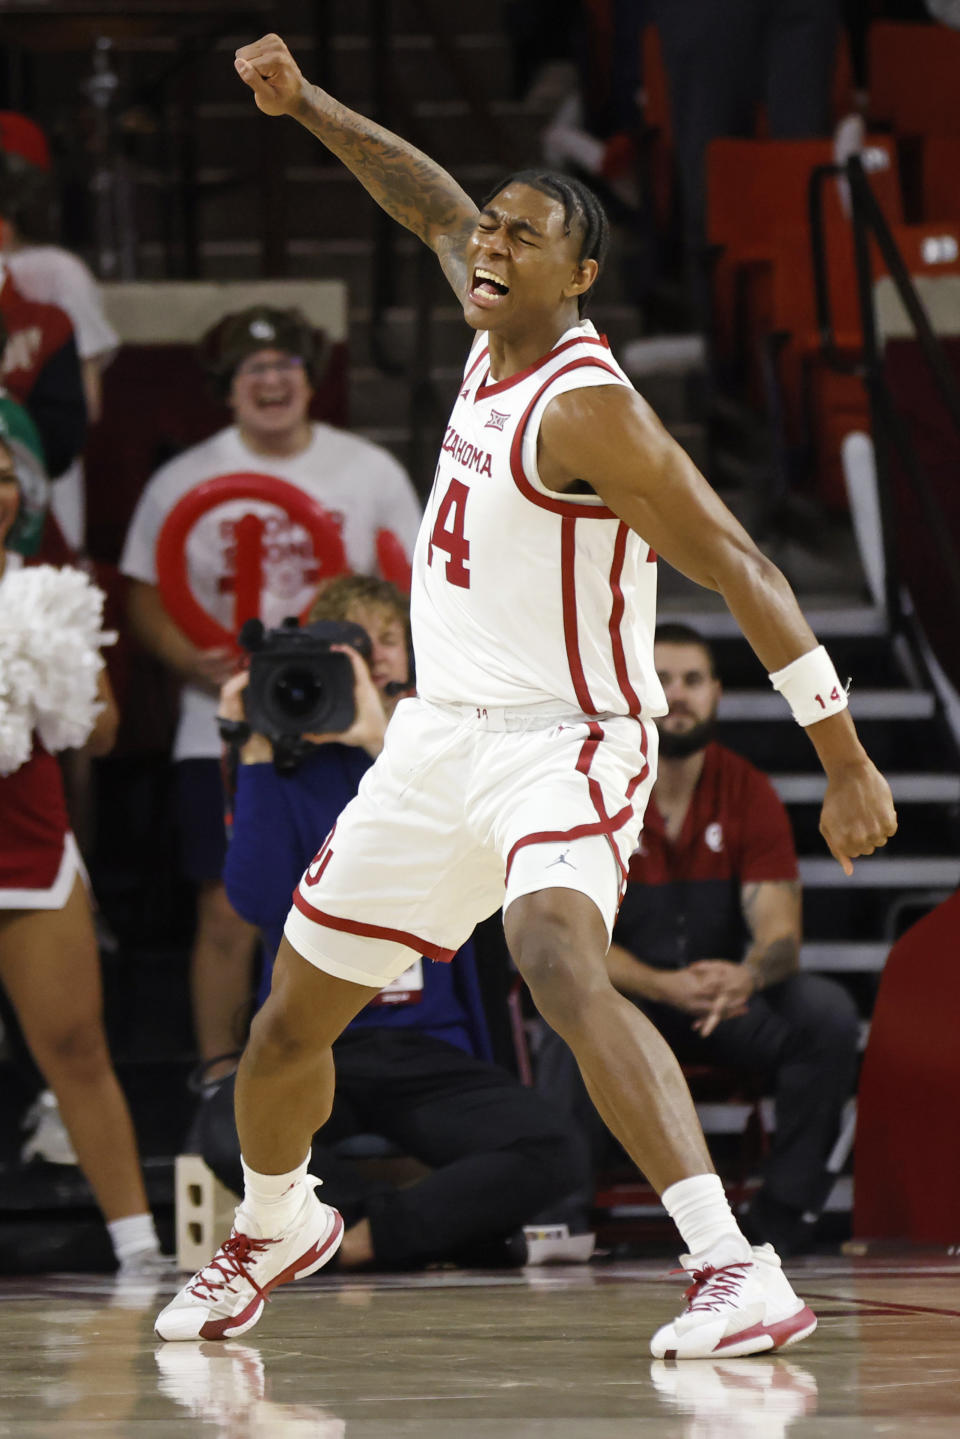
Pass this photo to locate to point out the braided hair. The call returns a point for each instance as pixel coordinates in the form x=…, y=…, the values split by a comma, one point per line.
x=580, y=206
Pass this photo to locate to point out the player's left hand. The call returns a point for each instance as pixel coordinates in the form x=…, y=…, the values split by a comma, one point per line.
x=858, y=816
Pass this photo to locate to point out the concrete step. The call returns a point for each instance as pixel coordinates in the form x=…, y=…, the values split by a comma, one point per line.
x=378, y=399
x=872, y=660
x=852, y=621
x=345, y=17
x=384, y=400
x=922, y=829
x=417, y=67
x=346, y=23
x=882, y=872
x=893, y=745
x=457, y=134
x=839, y=1201
x=451, y=337
x=844, y=957
x=906, y=788
x=239, y=258
x=864, y=705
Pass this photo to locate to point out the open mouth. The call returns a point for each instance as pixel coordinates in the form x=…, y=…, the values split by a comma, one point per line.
x=487, y=288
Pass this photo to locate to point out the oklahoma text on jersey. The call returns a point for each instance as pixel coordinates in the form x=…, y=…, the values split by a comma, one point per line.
x=522, y=596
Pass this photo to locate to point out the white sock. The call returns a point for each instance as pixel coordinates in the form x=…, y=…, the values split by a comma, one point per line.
x=699, y=1209
x=134, y=1234
x=272, y=1200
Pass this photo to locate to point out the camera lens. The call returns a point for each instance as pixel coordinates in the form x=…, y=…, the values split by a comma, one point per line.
x=296, y=691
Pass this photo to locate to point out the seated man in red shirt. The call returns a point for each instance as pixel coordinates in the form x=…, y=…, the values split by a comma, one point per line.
x=707, y=943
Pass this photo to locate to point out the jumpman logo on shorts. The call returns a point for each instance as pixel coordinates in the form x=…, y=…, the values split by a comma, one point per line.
x=562, y=859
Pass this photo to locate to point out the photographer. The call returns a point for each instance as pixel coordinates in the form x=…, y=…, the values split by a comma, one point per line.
x=265, y=363
x=413, y=1067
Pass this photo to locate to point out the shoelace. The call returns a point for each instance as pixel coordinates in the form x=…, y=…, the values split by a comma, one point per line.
x=711, y=1288
x=230, y=1260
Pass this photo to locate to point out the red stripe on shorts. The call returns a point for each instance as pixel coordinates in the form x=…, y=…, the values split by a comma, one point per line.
x=596, y=795
x=372, y=931
x=606, y=825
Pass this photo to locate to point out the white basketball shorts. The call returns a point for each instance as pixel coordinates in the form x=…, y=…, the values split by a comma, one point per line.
x=465, y=810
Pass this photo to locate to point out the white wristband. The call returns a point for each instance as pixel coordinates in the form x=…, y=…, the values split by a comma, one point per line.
x=811, y=687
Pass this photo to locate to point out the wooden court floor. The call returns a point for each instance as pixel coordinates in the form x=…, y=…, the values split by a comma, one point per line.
x=541, y=1354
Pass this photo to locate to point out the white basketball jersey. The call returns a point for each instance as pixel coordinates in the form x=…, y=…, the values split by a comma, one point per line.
x=522, y=596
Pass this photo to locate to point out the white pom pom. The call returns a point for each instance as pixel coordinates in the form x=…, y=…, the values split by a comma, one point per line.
x=50, y=661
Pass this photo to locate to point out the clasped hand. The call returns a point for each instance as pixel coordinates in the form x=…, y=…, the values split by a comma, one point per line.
x=711, y=990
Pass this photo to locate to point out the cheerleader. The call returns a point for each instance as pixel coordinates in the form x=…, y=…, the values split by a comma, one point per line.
x=54, y=695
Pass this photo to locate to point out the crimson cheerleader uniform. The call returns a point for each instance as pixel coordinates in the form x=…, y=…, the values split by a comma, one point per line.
x=39, y=857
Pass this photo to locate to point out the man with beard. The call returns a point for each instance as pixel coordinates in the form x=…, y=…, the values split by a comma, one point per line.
x=707, y=944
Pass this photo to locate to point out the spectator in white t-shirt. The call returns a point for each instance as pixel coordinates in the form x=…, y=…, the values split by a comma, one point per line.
x=266, y=364
x=45, y=272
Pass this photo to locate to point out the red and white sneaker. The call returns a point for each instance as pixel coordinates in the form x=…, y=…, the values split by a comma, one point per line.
x=226, y=1297
x=741, y=1307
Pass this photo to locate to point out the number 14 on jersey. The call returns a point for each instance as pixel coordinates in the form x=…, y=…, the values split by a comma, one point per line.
x=449, y=535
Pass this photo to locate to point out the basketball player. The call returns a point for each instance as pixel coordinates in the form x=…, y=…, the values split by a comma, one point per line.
x=520, y=774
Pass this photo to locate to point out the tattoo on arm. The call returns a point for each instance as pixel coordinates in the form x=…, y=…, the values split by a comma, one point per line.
x=451, y=252
x=774, y=960
x=413, y=189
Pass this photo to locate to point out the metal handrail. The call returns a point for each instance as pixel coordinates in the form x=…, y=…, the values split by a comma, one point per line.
x=867, y=214
x=868, y=223
x=819, y=177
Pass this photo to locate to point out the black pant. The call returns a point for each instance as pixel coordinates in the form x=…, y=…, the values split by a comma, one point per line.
x=721, y=58
x=499, y=1153
x=801, y=1034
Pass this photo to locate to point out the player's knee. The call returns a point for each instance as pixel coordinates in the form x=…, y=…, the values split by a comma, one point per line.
x=562, y=977
x=279, y=1036
x=75, y=1052
x=219, y=927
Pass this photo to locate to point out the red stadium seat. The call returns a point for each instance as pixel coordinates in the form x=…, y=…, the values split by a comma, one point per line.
x=757, y=214
x=756, y=196
x=658, y=128
x=940, y=177
x=823, y=401
x=907, y=1157
x=913, y=75
x=922, y=566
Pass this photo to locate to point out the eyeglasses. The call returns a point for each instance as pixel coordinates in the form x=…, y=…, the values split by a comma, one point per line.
x=257, y=369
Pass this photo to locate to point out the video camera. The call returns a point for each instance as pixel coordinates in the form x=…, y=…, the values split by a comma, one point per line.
x=298, y=685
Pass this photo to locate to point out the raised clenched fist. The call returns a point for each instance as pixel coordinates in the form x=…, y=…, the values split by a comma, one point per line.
x=272, y=74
